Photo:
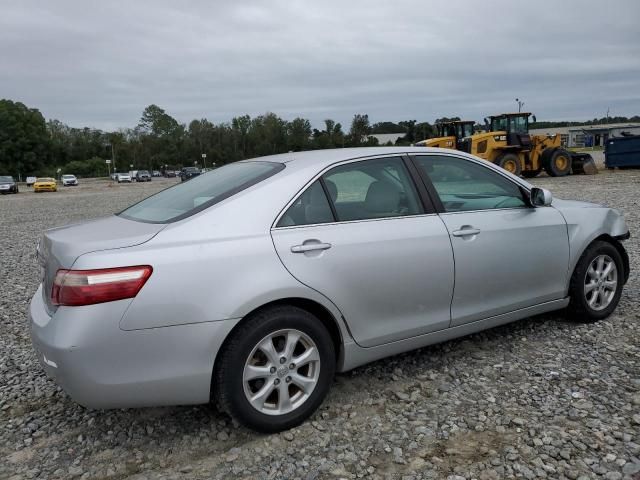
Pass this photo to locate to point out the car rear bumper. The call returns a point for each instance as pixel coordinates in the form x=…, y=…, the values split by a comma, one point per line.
x=101, y=366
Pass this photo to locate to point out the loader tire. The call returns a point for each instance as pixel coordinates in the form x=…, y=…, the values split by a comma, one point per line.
x=531, y=173
x=558, y=163
x=510, y=162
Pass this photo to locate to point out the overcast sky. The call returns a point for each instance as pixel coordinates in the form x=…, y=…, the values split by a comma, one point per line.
x=99, y=63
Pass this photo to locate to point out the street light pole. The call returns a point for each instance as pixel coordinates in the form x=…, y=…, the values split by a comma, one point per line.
x=520, y=105
x=204, y=160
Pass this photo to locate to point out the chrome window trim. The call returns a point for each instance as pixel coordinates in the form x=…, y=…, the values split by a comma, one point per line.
x=288, y=227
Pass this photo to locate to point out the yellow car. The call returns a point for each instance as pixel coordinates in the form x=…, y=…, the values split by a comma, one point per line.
x=45, y=185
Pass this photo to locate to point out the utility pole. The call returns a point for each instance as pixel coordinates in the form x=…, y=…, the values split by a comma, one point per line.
x=520, y=105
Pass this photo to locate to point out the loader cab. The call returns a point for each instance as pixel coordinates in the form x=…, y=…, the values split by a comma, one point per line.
x=460, y=129
x=516, y=125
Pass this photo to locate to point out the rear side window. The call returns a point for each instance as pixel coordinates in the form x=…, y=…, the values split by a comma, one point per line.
x=369, y=189
x=201, y=192
x=312, y=207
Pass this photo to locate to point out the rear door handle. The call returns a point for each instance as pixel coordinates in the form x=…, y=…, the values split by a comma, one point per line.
x=309, y=247
x=465, y=231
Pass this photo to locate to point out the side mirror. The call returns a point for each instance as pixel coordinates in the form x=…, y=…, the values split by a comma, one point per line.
x=540, y=197
x=534, y=118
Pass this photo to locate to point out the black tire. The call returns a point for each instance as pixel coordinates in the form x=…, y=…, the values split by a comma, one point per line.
x=510, y=162
x=531, y=173
x=558, y=163
x=579, y=309
x=228, y=384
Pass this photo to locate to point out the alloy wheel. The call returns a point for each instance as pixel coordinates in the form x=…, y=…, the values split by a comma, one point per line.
x=601, y=282
x=281, y=372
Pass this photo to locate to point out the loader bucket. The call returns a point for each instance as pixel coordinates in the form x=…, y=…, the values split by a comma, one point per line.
x=583, y=163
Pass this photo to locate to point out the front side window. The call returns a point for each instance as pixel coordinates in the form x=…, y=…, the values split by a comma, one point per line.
x=463, y=185
x=370, y=189
x=203, y=191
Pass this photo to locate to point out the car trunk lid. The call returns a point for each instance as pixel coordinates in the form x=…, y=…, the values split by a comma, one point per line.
x=60, y=247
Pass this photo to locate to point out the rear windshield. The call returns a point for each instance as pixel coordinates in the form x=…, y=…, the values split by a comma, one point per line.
x=201, y=192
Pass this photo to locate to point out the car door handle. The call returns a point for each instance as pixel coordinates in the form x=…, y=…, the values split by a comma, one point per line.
x=465, y=231
x=309, y=247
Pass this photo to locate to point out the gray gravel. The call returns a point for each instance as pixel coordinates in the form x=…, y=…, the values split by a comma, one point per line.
x=542, y=398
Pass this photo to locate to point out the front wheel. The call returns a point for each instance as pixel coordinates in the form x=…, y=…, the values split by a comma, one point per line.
x=596, y=283
x=275, y=369
x=558, y=163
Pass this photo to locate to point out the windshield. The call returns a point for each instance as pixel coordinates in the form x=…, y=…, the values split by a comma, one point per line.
x=46, y=179
x=518, y=124
x=143, y=172
x=6, y=179
x=201, y=192
x=68, y=176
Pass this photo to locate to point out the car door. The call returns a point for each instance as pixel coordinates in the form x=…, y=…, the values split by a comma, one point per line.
x=508, y=255
x=361, y=235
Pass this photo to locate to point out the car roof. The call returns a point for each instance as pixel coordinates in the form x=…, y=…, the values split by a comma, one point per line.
x=330, y=156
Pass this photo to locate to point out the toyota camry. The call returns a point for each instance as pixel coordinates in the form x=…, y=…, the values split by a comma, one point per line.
x=252, y=284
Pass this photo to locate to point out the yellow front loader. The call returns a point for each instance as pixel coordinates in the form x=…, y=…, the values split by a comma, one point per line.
x=507, y=143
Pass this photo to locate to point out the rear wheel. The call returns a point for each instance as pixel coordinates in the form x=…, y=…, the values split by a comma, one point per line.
x=510, y=162
x=275, y=369
x=596, y=283
x=558, y=163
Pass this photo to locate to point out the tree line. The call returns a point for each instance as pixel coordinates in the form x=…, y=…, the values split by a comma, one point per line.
x=32, y=145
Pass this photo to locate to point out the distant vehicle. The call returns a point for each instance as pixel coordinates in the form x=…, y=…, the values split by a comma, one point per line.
x=156, y=173
x=142, y=176
x=188, y=173
x=123, y=177
x=132, y=174
x=69, y=180
x=114, y=176
x=170, y=174
x=45, y=184
x=8, y=185
x=30, y=181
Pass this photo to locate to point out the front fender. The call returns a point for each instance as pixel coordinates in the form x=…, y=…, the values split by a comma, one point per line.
x=585, y=225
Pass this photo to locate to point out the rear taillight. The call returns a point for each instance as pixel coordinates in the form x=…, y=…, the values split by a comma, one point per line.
x=86, y=287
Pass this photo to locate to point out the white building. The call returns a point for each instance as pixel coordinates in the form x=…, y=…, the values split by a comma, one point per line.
x=589, y=135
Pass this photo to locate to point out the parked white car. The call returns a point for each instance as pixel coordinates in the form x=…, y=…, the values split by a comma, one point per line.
x=123, y=177
x=69, y=180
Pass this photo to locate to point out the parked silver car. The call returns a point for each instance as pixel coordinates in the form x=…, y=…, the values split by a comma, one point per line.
x=252, y=284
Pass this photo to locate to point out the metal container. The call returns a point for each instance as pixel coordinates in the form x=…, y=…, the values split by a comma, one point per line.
x=622, y=152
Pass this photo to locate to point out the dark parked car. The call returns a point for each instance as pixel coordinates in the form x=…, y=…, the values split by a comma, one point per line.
x=170, y=173
x=8, y=185
x=143, y=176
x=189, y=172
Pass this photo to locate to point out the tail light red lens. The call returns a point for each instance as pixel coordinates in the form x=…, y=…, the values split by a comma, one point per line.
x=87, y=287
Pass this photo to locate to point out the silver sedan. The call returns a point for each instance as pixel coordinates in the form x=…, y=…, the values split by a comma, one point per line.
x=252, y=284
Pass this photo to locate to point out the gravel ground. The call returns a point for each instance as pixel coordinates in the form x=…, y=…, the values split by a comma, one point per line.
x=541, y=398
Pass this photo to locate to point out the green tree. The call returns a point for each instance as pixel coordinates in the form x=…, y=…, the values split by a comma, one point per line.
x=24, y=140
x=299, y=134
x=360, y=130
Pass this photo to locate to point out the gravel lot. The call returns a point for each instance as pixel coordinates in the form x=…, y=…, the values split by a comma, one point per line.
x=542, y=398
